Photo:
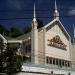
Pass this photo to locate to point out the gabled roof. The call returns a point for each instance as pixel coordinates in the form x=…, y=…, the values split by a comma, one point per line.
x=7, y=38
x=4, y=40
x=60, y=24
x=23, y=37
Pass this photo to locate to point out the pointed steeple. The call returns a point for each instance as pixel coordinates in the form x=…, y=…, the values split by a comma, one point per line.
x=55, y=5
x=34, y=17
x=34, y=21
x=74, y=30
x=34, y=39
x=56, y=13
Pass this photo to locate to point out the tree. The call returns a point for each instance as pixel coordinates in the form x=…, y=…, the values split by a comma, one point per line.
x=40, y=23
x=2, y=56
x=10, y=62
x=3, y=30
x=15, y=32
x=14, y=61
x=27, y=29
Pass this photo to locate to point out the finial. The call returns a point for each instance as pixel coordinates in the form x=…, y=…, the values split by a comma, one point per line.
x=34, y=11
x=55, y=5
x=34, y=17
x=56, y=13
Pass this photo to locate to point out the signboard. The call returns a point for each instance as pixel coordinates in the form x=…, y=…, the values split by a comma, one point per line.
x=56, y=42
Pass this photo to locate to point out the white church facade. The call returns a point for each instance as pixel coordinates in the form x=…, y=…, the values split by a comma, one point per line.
x=48, y=50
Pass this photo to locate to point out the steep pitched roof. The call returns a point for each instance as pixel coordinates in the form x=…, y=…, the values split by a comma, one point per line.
x=60, y=24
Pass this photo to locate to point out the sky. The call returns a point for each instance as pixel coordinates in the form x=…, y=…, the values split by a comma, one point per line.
x=19, y=13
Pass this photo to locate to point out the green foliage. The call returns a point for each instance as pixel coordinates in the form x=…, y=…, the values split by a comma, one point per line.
x=27, y=29
x=1, y=55
x=10, y=63
x=15, y=32
x=40, y=23
x=3, y=30
x=14, y=65
x=13, y=61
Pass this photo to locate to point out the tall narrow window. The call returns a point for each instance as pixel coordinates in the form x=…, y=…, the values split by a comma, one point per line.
x=53, y=61
x=62, y=62
x=47, y=60
x=50, y=60
x=56, y=61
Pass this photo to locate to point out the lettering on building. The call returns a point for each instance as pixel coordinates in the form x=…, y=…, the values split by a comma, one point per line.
x=56, y=42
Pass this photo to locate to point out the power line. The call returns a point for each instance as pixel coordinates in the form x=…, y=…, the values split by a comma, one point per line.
x=11, y=18
x=32, y=10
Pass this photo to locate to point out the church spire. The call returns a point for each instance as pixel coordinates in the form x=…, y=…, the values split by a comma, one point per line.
x=74, y=30
x=34, y=39
x=34, y=21
x=34, y=17
x=56, y=13
x=55, y=5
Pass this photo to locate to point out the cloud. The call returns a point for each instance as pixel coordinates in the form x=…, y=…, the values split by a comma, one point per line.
x=14, y=4
x=72, y=12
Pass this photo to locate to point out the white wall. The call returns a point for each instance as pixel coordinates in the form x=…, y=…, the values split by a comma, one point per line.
x=73, y=54
x=56, y=52
x=41, y=49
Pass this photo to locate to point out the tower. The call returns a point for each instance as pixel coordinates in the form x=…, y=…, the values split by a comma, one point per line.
x=34, y=40
x=56, y=13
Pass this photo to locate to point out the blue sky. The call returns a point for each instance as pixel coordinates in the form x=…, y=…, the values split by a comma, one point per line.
x=20, y=12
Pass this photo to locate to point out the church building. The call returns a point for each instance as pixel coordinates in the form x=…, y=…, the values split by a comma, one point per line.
x=47, y=50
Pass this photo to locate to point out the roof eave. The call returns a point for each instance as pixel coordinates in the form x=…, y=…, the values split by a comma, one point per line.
x=56, y=19
x=64, y=29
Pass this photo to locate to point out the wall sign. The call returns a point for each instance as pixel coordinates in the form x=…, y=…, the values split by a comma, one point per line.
x=56, y=42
